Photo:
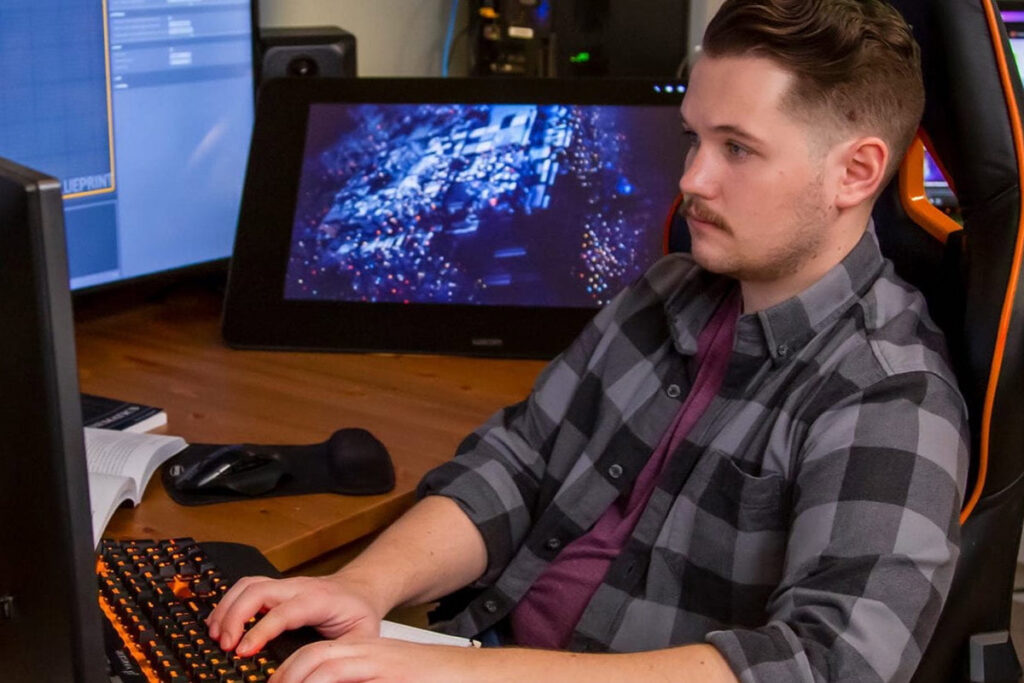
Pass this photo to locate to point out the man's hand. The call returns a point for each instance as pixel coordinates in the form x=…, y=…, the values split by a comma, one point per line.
x=430, y=551
x=353, y=659
x=333, y=606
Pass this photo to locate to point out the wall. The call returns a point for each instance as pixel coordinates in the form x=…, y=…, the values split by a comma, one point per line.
x=393, y=37
x=701, y=12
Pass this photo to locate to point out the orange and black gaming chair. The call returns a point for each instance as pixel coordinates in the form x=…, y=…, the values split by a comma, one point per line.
x=971, y=277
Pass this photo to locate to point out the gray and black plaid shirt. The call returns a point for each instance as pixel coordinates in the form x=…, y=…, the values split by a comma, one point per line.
x=808, y=525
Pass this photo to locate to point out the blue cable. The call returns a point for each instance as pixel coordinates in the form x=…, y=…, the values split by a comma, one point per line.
x=446, y=57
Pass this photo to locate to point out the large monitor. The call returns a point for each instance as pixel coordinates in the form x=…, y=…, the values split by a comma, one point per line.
x=49, y=619
x=143, y=110
x=468, y=216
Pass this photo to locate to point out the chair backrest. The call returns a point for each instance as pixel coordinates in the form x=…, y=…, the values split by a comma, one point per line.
x=972, y=281
x=971, y=278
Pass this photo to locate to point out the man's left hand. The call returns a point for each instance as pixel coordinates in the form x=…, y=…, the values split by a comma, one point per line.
x=376, y=659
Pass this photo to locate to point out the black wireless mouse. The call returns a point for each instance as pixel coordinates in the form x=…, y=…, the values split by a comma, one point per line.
x=236, y=467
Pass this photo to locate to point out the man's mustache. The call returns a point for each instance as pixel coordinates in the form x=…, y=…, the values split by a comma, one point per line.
x=693, y=208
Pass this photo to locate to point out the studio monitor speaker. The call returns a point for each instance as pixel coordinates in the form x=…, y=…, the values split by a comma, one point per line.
x=306, y=51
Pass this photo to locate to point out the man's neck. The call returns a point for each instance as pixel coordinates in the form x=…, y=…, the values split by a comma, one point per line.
x=759, y=295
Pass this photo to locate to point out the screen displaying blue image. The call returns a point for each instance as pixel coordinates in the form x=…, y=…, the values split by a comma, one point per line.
x=490, y=204
x=143, y=109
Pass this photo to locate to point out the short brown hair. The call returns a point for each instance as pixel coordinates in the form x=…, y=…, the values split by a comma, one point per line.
x=855, y=60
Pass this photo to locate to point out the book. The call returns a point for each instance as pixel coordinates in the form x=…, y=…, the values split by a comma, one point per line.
x=111, y=413
x=120, y=466
x=414, y=634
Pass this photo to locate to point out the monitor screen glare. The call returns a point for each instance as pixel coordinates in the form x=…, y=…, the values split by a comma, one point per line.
x=143, y=109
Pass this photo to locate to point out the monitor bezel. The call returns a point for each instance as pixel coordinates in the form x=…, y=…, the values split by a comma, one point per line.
x=46, y=567
x=256, y=314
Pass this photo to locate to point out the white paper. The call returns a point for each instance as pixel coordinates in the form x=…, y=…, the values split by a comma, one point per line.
x=106, y=492
x=412, y=634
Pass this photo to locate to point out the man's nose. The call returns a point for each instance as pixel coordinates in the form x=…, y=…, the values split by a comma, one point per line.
x=698, y=175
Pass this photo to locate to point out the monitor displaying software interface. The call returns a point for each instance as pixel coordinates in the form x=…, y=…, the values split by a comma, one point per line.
x=143, y=109
x=506, y=204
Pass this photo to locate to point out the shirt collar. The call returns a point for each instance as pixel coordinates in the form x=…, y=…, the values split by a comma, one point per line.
x=785, y=328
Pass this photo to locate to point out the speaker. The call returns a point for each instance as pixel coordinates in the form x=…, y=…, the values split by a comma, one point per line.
x=306, y=51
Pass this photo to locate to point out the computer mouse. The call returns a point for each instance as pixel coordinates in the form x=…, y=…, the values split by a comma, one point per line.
x=235, y=467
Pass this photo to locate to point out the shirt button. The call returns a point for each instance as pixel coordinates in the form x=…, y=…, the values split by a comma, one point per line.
x=491, y=606
x=553, y=544
x=782, y=350
x=673, y=391
x=615, y=471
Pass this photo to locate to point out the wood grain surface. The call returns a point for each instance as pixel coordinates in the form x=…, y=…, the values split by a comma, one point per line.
x=170, y=354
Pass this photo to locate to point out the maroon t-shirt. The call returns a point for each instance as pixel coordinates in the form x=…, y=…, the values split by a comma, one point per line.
x=549, y=611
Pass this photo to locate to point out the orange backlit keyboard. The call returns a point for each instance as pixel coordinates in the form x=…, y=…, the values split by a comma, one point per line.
x=156, y=596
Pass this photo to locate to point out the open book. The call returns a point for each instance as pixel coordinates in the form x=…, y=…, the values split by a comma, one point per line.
x=120, y=465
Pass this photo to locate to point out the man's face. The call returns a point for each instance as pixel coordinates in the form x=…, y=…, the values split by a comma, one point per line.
x=755, y=185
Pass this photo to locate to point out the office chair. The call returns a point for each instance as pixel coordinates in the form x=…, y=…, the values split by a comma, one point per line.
x=971, y=277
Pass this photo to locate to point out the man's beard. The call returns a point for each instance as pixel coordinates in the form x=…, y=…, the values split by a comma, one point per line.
x=770, y=261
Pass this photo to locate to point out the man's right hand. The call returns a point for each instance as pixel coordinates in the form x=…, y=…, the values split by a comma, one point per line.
x=330, y=604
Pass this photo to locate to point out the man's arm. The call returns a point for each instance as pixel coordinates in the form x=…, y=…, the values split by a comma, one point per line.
x=383, y=661
x=430, y=551
x=436, y=547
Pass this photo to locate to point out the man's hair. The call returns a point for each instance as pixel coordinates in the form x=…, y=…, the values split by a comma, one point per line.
x=855, y=61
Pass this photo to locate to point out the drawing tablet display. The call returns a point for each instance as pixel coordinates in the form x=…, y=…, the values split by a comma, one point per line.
x=481, y=216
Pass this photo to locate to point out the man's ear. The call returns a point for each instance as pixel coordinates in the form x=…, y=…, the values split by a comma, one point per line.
x=863, y=162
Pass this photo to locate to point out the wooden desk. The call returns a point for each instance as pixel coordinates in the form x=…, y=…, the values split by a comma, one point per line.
x=170, y=354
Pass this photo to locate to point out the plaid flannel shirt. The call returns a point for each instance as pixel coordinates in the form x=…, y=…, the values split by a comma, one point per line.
x=807, y=527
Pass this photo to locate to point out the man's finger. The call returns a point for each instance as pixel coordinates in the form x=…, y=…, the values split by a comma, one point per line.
x=306, y=659
x=286, y=616
x=252, y=599
x=215, y=621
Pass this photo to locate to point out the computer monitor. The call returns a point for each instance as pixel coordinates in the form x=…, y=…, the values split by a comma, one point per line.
x=143, y=109
x=449, y=215
x=49, y=617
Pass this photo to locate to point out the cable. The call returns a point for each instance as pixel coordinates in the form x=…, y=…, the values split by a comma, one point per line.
x=446, y=57
x=463, y=33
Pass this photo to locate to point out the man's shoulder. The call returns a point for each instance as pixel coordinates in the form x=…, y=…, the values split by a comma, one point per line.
x=900, y=334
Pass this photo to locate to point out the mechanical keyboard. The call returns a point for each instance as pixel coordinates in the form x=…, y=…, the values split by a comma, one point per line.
x=156, y=596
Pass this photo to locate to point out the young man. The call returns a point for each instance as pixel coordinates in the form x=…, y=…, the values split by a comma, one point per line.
x=748, y=466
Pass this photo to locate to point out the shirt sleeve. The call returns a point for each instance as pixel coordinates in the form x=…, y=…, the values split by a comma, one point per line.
x=873, y=539
x=498, y=470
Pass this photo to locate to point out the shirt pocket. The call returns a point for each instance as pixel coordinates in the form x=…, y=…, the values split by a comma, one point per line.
x=720, y=498
x=726, y=540
x=751, y=501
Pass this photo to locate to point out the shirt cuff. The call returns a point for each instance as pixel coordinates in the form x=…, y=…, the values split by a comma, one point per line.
x=769, y=654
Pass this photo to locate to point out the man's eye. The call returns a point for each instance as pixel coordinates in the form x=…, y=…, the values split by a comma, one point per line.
x=690, y=139
x=735, y=150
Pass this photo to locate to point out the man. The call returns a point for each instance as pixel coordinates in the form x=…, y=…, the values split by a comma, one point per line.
x=748, y=466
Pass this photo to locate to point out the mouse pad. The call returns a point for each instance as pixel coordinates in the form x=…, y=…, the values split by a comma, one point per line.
x=351, y=462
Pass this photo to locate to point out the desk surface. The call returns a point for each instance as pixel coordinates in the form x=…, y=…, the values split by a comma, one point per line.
x=170, y=354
